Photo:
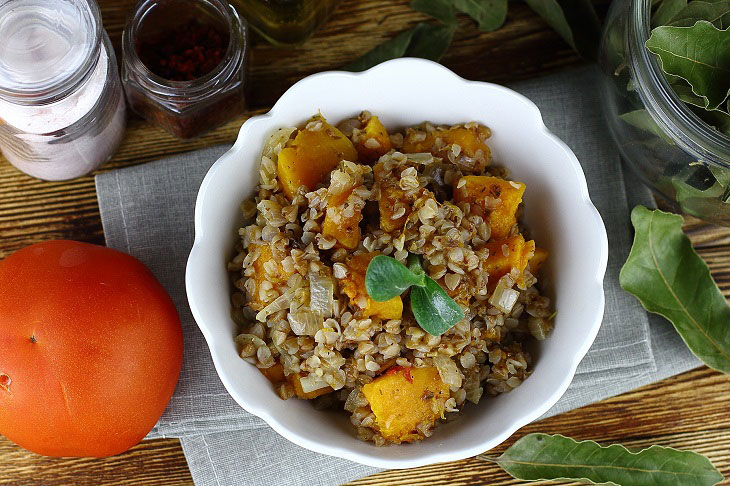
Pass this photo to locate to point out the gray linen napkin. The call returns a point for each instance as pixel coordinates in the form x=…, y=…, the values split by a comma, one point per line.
x=147, y=211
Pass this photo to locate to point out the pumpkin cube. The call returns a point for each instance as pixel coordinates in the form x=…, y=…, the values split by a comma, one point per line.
x=345, y=230
x=470, y=141
x=267, y=267
x=537, y=260
x=275, y=374
x=311, y=156
x=354, y=287
x=504, y=255
x=392, y=199
x=373, y=141
x=493, y=198
x=403, y=398
x=296, y=380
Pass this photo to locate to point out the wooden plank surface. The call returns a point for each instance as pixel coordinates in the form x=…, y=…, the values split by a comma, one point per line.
x=688, y=411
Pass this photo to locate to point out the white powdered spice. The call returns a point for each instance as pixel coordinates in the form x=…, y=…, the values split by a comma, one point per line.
x=74, y=135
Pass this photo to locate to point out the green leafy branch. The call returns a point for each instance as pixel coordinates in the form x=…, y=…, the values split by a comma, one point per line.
x=574, y=20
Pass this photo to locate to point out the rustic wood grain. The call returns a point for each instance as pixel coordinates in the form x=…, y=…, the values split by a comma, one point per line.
x=688, y=411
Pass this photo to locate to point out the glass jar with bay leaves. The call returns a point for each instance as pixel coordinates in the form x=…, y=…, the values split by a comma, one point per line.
x=667, y=110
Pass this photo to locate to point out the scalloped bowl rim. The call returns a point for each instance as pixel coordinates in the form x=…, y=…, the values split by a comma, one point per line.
x=380, y=455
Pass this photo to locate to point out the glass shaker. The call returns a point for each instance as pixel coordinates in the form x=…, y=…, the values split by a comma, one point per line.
x=62, y=113
x=184, y=64
x=285, y=22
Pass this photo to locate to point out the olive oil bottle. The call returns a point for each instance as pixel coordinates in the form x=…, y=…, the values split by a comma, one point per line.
x=285, y=22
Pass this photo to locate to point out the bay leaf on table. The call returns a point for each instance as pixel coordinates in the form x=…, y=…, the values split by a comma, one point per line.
x=430, y=41
x=543, y=456
x=489, y=14
x=699, y=54
x=390, y=49
x=669, y=278
x=441, y=10
x=575, y=21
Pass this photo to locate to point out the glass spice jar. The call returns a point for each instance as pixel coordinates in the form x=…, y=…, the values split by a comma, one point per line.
x=184, y=64
x=62, y=111
x=285, y=22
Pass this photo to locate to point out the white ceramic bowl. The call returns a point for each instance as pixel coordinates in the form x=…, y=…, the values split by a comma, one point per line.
x=558, y=212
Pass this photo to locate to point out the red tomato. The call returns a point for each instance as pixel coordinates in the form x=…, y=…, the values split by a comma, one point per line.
x=90, y=349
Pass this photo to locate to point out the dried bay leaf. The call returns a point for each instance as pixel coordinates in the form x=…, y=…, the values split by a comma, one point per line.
x=575, y=21
x=489, y=14
x=668, y=277
x=717, y=13
x=441, y=10
x=390, y=49
x=430, y=41
x=666, y=11
x=699, y=54
x=543, y=456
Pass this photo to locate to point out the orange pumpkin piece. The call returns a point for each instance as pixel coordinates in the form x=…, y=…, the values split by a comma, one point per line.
x=296, y=380
x=345, y=230
x=373, y=141
x=537, y=260
x=482, y=191
x=519, y=253
x=403, y=398
x=354, y=287
x=260, y=275
x=275, y=374
x=391, y=197
x=469, y=139
x=311, y=156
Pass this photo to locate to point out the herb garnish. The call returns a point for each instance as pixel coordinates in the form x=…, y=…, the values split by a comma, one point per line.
x=542, y=456
x=432, y=307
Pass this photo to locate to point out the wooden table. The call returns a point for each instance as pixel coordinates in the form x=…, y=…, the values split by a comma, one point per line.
x=688, y=411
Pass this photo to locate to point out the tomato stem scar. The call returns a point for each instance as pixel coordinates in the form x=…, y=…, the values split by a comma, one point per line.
x=33, y=339
x=5, y=381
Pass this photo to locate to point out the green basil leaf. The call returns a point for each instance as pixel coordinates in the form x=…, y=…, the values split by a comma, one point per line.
x=489, y=14
x=699, y=54
x=414, y=264
x=717, y=13
x=386, y=278
x=430, y=41
x=575, y=21
x=390, y=49
x=666, y=11
x=433, y=309
x=668, y=277
x=441, y=10
x=543, y=456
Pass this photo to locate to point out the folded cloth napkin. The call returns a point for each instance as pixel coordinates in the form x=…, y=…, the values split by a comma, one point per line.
x=147, y=211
